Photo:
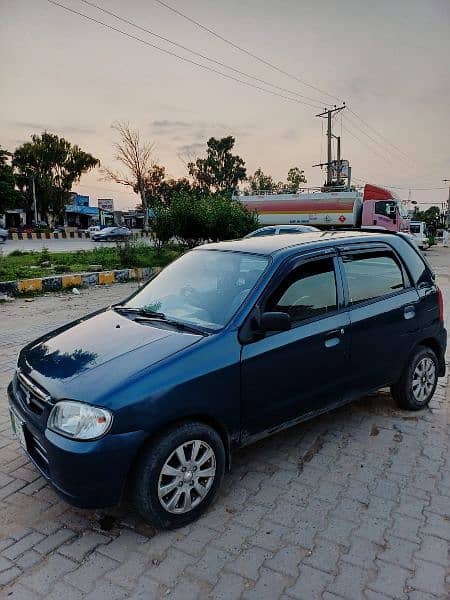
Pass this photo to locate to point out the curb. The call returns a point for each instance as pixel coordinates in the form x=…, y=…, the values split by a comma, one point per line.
x=56, y=283
x=72, y=235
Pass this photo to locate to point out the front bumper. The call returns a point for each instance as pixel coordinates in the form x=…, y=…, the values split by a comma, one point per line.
x=85, y=474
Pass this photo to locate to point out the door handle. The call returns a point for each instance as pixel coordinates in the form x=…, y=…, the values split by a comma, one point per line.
x=333, y=338
x=409, y=312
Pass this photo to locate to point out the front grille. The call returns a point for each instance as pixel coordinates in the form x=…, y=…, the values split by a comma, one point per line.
x=37, y=451
x=34, y=398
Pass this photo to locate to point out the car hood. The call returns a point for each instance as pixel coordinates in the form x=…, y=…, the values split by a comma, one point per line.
x=99, y=352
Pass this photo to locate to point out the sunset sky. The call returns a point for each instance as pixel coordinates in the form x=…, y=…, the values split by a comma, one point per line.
x=389, y=60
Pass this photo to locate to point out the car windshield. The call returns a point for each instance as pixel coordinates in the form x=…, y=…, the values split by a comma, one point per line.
x=202, y=287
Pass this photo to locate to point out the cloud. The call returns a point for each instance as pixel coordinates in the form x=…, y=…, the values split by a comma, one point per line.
x=65, y=129
x=194, y=149
x=168, y=126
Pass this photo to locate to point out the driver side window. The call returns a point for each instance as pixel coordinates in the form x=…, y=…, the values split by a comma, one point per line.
x=309, y=291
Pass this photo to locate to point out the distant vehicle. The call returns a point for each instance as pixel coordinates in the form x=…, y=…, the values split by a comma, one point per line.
x=111, y=234
x=374, y=206
x=280, y=230
x=3, y=235
x=91, y=230
x=418, y=230
x=230, y=343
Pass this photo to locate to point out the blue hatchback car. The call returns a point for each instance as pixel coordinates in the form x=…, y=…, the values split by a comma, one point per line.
x=230, y=343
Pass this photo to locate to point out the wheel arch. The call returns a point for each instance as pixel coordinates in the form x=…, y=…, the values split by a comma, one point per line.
x=205, y=419
x=434, y=345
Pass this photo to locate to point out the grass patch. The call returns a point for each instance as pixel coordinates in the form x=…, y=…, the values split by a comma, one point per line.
x=27, y=265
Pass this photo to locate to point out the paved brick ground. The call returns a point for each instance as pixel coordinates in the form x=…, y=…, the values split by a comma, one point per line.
x=354, y=504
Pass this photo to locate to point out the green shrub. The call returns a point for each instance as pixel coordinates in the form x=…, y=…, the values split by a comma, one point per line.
x=61, y=268
x=44, y=256
x=162, y=226
x=229, y=219
x=190, y=220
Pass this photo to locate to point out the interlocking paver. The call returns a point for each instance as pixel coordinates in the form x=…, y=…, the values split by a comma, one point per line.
x=310, y=583
x=367, y=516
x=429, y=577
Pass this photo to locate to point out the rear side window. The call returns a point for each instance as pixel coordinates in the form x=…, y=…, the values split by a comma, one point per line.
x=309, y=291
x=419, y=272
x=263, y=232
x=372, y=275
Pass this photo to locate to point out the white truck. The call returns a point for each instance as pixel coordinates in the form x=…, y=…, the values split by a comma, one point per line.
x=418, y=230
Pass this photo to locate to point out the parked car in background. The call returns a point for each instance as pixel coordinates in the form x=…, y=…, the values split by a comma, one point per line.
x=4, y=233
x=418, y=230
x=111, y=234
x=280, y=230
x=228, y=344
x=91, y=230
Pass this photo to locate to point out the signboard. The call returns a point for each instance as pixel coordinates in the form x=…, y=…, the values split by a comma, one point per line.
x=79, y=200
x=344, y=169
x=106, y=204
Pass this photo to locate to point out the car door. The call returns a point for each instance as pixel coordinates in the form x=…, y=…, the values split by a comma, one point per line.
x=287, y=375
x=383, y=314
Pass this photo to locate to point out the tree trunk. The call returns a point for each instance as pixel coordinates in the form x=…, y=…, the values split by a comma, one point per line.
x=144, y=206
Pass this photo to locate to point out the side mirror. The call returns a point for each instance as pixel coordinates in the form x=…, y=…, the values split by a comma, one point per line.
x=392, y=211
x=275, y=321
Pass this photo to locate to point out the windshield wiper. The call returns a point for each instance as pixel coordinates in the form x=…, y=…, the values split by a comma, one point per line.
x=146, y=314
x=140, y=310
x=178, y=324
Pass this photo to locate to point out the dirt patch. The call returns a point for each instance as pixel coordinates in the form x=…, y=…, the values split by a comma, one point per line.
x=315, y=447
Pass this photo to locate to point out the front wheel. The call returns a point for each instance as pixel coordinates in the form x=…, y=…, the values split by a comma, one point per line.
x=416, y=386
x=179, y=475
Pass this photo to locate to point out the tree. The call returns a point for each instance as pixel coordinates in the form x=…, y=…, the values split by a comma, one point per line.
x=153, y=182
x=431, y=216
x=136, y=157
x=259, y=182
x=220, y=171
x=295, y=177
x=10, y=197
x=189, y=219
x=55, y=164
x=228, y=219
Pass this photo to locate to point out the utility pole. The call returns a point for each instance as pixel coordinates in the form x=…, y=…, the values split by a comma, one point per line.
x=448, y=202
x=327, y=113
x=34, y=201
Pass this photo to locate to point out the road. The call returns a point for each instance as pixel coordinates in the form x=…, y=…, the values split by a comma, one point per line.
x=351, y=505
x=66, y=245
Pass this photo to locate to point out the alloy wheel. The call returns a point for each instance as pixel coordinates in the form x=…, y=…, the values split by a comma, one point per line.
x=424, y=379
x=186, y=477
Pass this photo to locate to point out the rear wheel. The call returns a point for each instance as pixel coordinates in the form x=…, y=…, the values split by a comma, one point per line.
x=416, y=386
x=178, y=476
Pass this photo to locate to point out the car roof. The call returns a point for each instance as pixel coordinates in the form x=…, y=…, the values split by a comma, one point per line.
x=269, y=245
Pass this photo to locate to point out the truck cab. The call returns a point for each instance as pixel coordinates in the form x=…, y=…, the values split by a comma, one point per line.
x=383, y=208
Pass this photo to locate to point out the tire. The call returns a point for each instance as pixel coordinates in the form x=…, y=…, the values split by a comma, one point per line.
x=2, y=240
x=417, y=384
x=162, y=499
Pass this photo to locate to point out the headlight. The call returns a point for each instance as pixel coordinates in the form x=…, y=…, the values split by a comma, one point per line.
x=79, y=421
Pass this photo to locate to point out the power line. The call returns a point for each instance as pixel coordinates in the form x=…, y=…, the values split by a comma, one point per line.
x=382, y=147
x=245, y=51
x=203, y=56
x=378, y=133
x=280, y=70
x=183, y=58
x=366, y=145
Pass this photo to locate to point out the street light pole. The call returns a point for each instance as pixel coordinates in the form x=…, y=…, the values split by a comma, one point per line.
x=34, y=201
x=448, y=202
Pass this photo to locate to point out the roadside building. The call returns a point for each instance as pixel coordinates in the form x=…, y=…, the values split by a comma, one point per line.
x=79, y=214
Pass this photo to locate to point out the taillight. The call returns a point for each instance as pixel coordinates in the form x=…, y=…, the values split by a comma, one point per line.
x=440, y=304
